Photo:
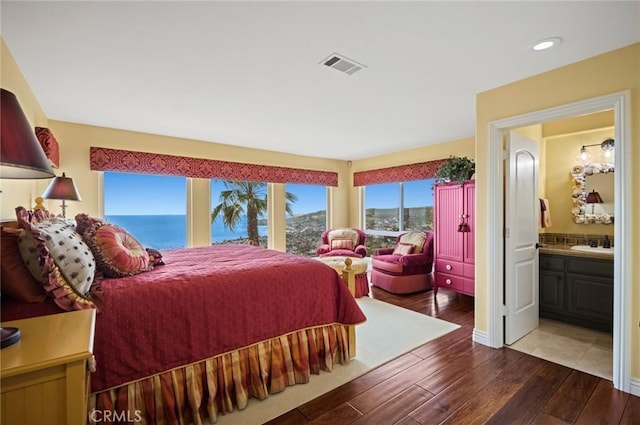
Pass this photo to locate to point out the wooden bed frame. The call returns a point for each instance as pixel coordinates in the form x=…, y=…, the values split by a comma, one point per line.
x=349, y=277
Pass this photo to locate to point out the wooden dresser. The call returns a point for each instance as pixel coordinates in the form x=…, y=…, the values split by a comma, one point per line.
x=45, y=376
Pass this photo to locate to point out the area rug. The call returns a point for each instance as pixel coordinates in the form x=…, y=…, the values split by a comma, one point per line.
x=389, y=332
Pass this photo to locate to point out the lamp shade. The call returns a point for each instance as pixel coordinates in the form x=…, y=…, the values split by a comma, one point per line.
x=62, y=188
x=593, y=198
x=21, y=156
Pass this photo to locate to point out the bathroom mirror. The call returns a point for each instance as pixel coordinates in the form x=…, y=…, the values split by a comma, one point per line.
x=592, y=193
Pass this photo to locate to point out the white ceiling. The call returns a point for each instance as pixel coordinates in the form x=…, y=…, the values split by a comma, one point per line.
x=249, y=73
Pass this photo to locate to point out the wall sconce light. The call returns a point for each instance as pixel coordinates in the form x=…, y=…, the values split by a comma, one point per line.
x=593, y=198
x=607, y=147
x=62, y=188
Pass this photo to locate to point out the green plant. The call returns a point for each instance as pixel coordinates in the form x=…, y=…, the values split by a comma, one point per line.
x=456, y=169
x=245, y=198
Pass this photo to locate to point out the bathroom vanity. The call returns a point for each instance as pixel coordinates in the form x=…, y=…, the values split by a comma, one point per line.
x=577, y=287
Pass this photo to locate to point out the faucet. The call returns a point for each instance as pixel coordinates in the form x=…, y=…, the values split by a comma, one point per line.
x=593, y=243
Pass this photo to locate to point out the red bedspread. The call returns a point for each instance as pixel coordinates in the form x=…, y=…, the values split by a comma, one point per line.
x=207, y=301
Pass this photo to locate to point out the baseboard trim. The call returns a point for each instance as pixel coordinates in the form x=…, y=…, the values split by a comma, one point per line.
x=481, y=337
x=634, y=386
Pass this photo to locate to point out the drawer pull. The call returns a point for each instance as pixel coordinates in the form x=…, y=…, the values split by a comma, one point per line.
x=448, y=281
x=448, y=267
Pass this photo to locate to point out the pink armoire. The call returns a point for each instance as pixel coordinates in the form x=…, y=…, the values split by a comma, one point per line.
x=454, y=229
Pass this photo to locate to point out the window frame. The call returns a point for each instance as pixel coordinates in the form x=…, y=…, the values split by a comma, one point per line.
x=401, y=198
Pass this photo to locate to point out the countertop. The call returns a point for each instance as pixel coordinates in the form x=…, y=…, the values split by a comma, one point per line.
x=566, y=250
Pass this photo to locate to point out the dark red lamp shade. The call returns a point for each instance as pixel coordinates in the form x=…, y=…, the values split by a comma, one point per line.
x=21, y=156
x=62, y=188
x=594, y=198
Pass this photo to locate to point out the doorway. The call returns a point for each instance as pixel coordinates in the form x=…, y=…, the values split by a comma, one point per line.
x=619, y=102
x=572, y=302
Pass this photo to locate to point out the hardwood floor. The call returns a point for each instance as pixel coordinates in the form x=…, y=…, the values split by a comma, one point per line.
x=453, y=380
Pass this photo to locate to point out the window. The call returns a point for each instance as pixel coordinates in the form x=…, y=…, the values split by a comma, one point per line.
x=306, y=217
x=394, y=208
x=239, y=212
x=152, y=208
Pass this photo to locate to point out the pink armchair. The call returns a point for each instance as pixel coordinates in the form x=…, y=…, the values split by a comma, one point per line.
x=402, y=270
x=346, y=242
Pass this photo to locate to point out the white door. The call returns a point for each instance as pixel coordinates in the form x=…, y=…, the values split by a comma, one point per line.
x=521, y=237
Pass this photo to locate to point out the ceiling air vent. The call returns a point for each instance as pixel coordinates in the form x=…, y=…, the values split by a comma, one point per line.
x=342, y=63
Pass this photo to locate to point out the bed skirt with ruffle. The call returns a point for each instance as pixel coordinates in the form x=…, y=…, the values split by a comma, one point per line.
x=221, y=384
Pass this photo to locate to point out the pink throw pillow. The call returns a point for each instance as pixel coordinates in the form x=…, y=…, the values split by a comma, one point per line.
x=341, y=244
x=117, y=252
x=403, y=249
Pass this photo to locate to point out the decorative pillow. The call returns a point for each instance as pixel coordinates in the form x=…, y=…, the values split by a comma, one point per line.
x=117, y=252
x=155, y=258
x=68, y=271
x=34, y=216
x=65, y=247
x=417, y=239
x=17, y=281
x=84, y=221
x=343, y=234
x=339, y=243
x=403, y=249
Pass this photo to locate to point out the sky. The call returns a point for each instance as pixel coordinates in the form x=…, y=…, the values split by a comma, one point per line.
x=145, y=194
x=416, y=194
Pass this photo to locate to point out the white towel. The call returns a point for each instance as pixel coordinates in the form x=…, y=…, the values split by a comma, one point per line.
x=545, y=214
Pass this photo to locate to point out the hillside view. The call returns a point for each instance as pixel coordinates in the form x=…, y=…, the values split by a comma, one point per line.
x=304, y=231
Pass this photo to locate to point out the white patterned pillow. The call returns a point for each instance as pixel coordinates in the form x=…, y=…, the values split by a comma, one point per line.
x=417, y=239
x=65, y=247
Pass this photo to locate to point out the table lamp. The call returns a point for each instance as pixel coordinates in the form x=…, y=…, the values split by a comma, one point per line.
x=21, y=157
x=593, y=198
x=62, y=188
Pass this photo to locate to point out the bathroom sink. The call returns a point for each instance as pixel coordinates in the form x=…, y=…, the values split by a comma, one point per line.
x=587, y=248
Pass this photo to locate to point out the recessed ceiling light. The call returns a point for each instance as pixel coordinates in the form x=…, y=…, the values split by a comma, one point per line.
x=547, y=43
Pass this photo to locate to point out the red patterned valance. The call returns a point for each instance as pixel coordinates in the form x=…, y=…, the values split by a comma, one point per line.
x=49, y=145
x=401, y=173
x=103, y=159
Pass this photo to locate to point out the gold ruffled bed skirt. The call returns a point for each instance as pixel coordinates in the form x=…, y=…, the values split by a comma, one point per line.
x=221, y=384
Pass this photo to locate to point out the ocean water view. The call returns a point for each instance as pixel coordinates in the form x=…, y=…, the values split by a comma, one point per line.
x=169, y=231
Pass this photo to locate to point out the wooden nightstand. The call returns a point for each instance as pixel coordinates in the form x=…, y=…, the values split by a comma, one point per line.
x=45, y=377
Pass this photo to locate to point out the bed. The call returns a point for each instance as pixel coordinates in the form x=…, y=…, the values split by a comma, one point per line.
x=212, y=327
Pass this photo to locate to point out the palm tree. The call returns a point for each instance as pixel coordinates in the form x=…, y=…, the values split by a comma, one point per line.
x=245, y=198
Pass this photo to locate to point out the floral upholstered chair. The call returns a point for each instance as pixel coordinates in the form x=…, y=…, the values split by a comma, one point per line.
x=406, y=267
x=345, y=242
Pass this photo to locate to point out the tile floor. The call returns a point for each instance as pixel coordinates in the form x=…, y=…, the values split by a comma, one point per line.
x=583, y=349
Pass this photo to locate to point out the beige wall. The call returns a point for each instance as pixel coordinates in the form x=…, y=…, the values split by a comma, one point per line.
x=611, y=72
x=577, y=124
x=19, y=192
